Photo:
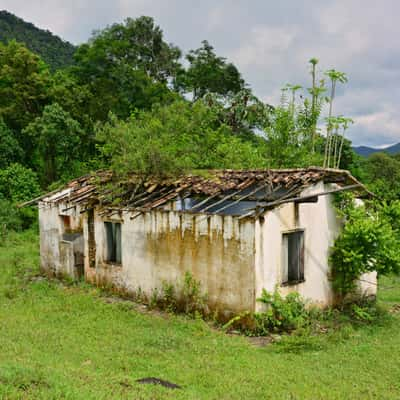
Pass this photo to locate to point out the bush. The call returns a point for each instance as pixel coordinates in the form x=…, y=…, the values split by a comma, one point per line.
x=174, y=139
x=187, y=298
x=282, y=313
x=366, y=243
x=17, y=184
x=291, y=314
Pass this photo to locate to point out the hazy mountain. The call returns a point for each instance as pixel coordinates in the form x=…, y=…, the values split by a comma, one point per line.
x=366, y=151
x=54, y=51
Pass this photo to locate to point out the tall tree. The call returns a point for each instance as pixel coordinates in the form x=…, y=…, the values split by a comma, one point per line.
x=10, y=150
x=335, y=77
x=126, y=66
x=172, y=139
x=24, y=83
x=57, y=137
x=209, y=73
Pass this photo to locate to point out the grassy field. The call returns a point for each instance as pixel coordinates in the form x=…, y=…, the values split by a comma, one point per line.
x=60, y=342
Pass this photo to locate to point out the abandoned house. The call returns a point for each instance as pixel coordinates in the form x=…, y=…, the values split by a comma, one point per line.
x=237, y=232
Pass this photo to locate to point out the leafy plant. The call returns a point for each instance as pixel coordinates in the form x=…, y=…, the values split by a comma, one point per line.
x=282, y=313
x=366, y=243
x=186, y=298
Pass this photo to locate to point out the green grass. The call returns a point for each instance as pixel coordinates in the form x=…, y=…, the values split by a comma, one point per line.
x=67, y=342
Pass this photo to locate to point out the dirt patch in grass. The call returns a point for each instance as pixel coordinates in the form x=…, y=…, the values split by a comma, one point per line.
x=158, y=381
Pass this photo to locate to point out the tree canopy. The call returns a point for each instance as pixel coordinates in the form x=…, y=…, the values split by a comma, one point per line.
x=209, y=73
x=56, y=52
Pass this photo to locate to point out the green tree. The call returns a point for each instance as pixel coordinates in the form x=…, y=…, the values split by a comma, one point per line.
x=126, y=67
x=242, y=112
x=57, y=139
x=289, y=143
x=10, y=150
x=208, y=73
x=382, y=174
x=24, y=84
x=368, y=242
x=173, y=139
x=54, y=51
x=335, y=77
x=138, y=43
x=18, y=183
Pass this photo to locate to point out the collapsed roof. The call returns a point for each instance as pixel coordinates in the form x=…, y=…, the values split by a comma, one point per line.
x=244, y=193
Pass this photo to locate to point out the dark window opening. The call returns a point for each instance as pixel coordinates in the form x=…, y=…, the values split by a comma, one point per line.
x=66, y=222
x=91, y=239
x=293, y=258
x=113, y=242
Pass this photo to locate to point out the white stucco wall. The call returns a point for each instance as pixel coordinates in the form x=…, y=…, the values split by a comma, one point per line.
x=233, y=260
x=321, y=226
x=57, y=255
x=161, y=246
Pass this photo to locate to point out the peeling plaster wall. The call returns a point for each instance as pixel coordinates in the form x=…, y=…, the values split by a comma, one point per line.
x=321, y=226
x=233, y=260
x=162, y=246
x=57, y=256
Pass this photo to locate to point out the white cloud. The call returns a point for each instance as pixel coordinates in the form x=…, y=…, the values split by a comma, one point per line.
x=263, y=46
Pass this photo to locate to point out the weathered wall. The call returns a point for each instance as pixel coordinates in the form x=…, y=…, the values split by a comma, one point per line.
x=234, y=260
x=58, y=255
x=162, y=246
x=321, y=226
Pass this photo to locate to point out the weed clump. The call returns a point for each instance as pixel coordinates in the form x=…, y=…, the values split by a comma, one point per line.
x=292, y=315
x=186, y=298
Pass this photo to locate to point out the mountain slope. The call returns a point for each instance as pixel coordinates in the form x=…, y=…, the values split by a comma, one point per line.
x=367, y=151
x=54, y=51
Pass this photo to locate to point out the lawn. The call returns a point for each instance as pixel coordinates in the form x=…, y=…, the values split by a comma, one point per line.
x=69, y=342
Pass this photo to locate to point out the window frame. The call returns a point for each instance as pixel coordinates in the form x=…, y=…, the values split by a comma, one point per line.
x=112, y=259
x=284, y=272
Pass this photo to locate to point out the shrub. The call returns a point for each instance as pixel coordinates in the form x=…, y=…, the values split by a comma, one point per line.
x=366, y=243
x=282, y=313
x=186, y=298
x=17, y=184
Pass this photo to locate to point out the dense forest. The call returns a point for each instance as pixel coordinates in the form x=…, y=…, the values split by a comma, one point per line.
x=128, y=100
x=56, y=52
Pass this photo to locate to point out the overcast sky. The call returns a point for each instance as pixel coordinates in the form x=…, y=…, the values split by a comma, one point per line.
x=270, y=42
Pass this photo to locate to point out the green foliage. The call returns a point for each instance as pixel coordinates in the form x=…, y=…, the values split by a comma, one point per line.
x=57, y=143
x=186, y=298
x=17, y=184
x=25, y=81
x=10, y=150
x=382, y=174
x=126, y=67
x=366, y=243
x=208, y=73
x=289, y=141
x=10, y=218
x=48, y=119
x=54, y=51
x=137, y=43
x=241, y=111
x=173, y=139
x=282, y=313
x=73, y=331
